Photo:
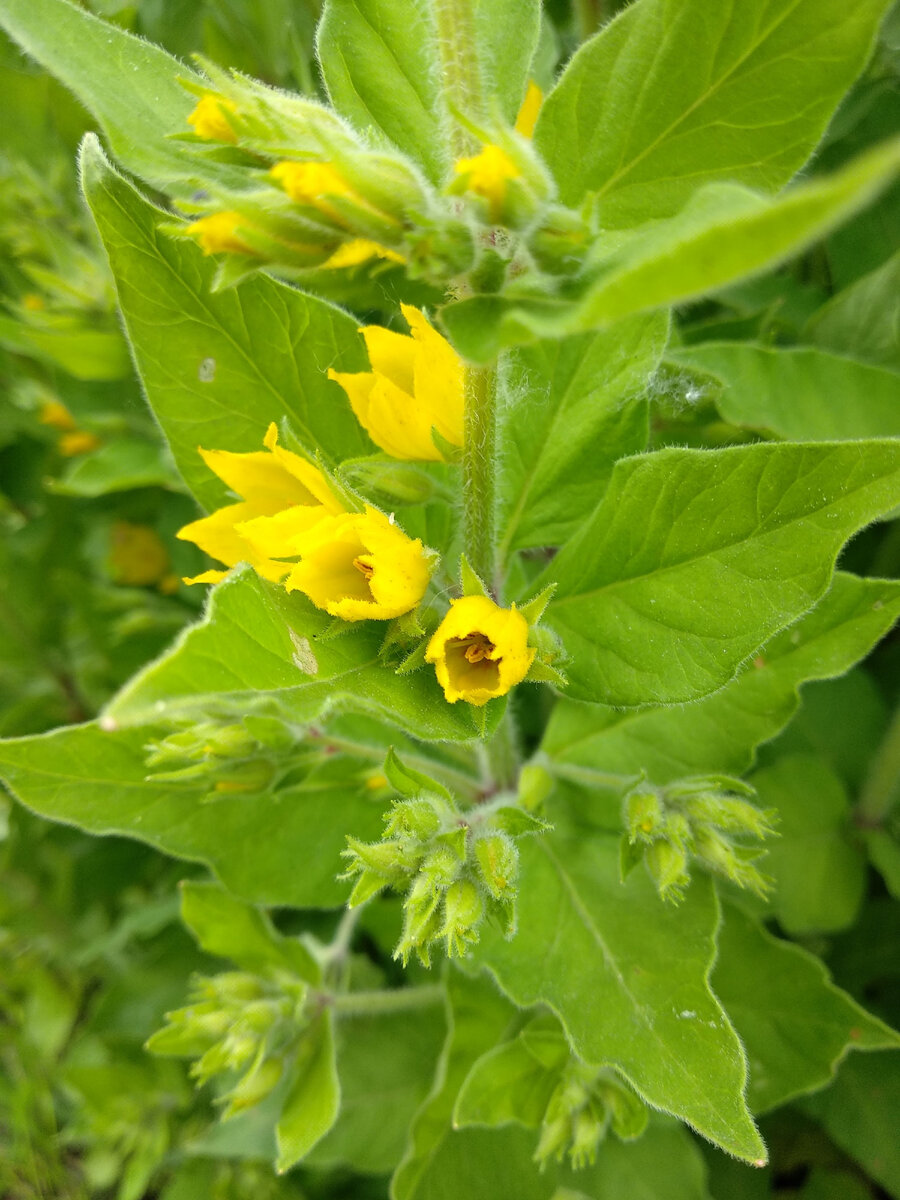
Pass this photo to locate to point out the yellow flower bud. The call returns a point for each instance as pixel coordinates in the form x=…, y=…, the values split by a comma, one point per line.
x=415, y=385
x=312, y=183
x=281, y=491
x=531, y=107
x=488, y=175
x=209, y=120
x=218, y=234
x=358, y=251
x=480, y=650
x=55, y=414
x=359, y=566
x=137, y=555
x=79, y=441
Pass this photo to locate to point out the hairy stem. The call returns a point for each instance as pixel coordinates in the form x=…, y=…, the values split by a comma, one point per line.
x=460, y=75
x=367, y=1004
x=479, y=460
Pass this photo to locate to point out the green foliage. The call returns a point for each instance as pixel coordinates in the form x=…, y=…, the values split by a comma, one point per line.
x=589, y=845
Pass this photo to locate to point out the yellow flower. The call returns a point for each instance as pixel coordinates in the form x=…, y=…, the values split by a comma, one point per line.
x=208, y=119
x=218, y=233
x=79, y=441
x=488, y=174
x=33, y=302
x=55, y=414
x=416, y=384
x=531, y=107
x=360, y=250
x=137, y=556
x=360, y=566
x=480, y=650
x=276, y=486
x=313, y=183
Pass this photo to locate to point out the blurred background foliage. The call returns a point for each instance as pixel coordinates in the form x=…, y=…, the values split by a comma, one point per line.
x=92, y=952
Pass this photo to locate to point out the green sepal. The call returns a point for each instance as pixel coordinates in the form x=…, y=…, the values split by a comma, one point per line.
x=533, y=609
x=471, y=583
x=408, y=782
x=535, y=785
x=630, y=854
x=516, y=821
x=541, y=672
x=448, y=451
x=414, y=660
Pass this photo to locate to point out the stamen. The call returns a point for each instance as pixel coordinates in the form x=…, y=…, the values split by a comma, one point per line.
x=478, y=649
x=364, y=569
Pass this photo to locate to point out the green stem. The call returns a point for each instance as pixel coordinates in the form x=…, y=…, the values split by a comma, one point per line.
x=881, y=791
x=588, y=777
x=460, y=75
x=502, y=753
x=368, y=1004
x=479, y=460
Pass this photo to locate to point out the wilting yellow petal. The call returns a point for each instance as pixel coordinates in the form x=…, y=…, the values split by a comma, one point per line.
x=360, y=566
x=480, y=650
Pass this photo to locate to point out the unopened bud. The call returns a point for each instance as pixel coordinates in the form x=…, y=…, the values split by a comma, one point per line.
x=390, y=483
x=644, y=814
x=392, y=860
x=413, y=818
x=463, y=909
x=535, y=785
x=731, y=814
x=587, y=1134
x=668, y=867
x=734, y=862
x=255, y=1085
x=498, y=864
x=441, y=867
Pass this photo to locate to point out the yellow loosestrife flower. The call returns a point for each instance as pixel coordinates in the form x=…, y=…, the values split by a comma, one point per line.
x=480, y=650
x=360, y=566
x=274, y=485
x=137, y=556
x=55, y=414
x=531, y=107
x=416, y=384
x=487, y=174
x=218, y=234
x=79, y=441
x=208, y=120
x=313, y=183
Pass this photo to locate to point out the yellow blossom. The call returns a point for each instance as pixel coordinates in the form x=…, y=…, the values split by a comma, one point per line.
x=218, y=233
x=531, y=107
x=55, y=414
x=274, y=485
x=487, y=174
x=360, y=566
x=209, y=119
x=79, y=441
x=480, y=650
x=416, y=384
x=137, y=556
x=360, y=250
x=33, y=302
x=313, y=183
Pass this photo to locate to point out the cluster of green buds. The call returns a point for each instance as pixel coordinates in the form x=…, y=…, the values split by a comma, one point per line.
x=708, y=818
x=585, y=1104
x=238, y=1023
x=454, y=868
x=227, y=756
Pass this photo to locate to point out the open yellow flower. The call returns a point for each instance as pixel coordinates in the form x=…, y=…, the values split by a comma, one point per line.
x=488, y=174
x=360, y=566
x=480, y=650
x=415, y=385
x=209, y=120
x=274, y=484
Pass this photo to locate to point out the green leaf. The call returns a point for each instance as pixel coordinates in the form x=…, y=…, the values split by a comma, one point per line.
x=130, y=86
x=721, y=732
x=88, y=354
x=569, y=409
x=218, y=367
x=257, y=645
x=118, y=466
x=695, y=558
x=477, y=1016
x=795, y=1024
x=408, y=782
x=628, y=121
x=584, y=935
x=859, y=1111
x=314, y=1098
x=398, y=68
x=819, y=870
x=864, y=320
x=798, y=394
x=229, y=928
x=97, y=779
x=386, y=1064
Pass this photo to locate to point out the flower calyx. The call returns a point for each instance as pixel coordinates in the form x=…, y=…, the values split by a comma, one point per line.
x=709, y=819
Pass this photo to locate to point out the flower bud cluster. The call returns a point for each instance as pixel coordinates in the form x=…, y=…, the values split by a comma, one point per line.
x=242, y=1024
x=227, y=756
x=586, y=1103
x=455, y=869
x=705, y=818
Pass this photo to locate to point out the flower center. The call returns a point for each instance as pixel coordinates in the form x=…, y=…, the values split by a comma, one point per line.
x=364, y=568
x=471, y=662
